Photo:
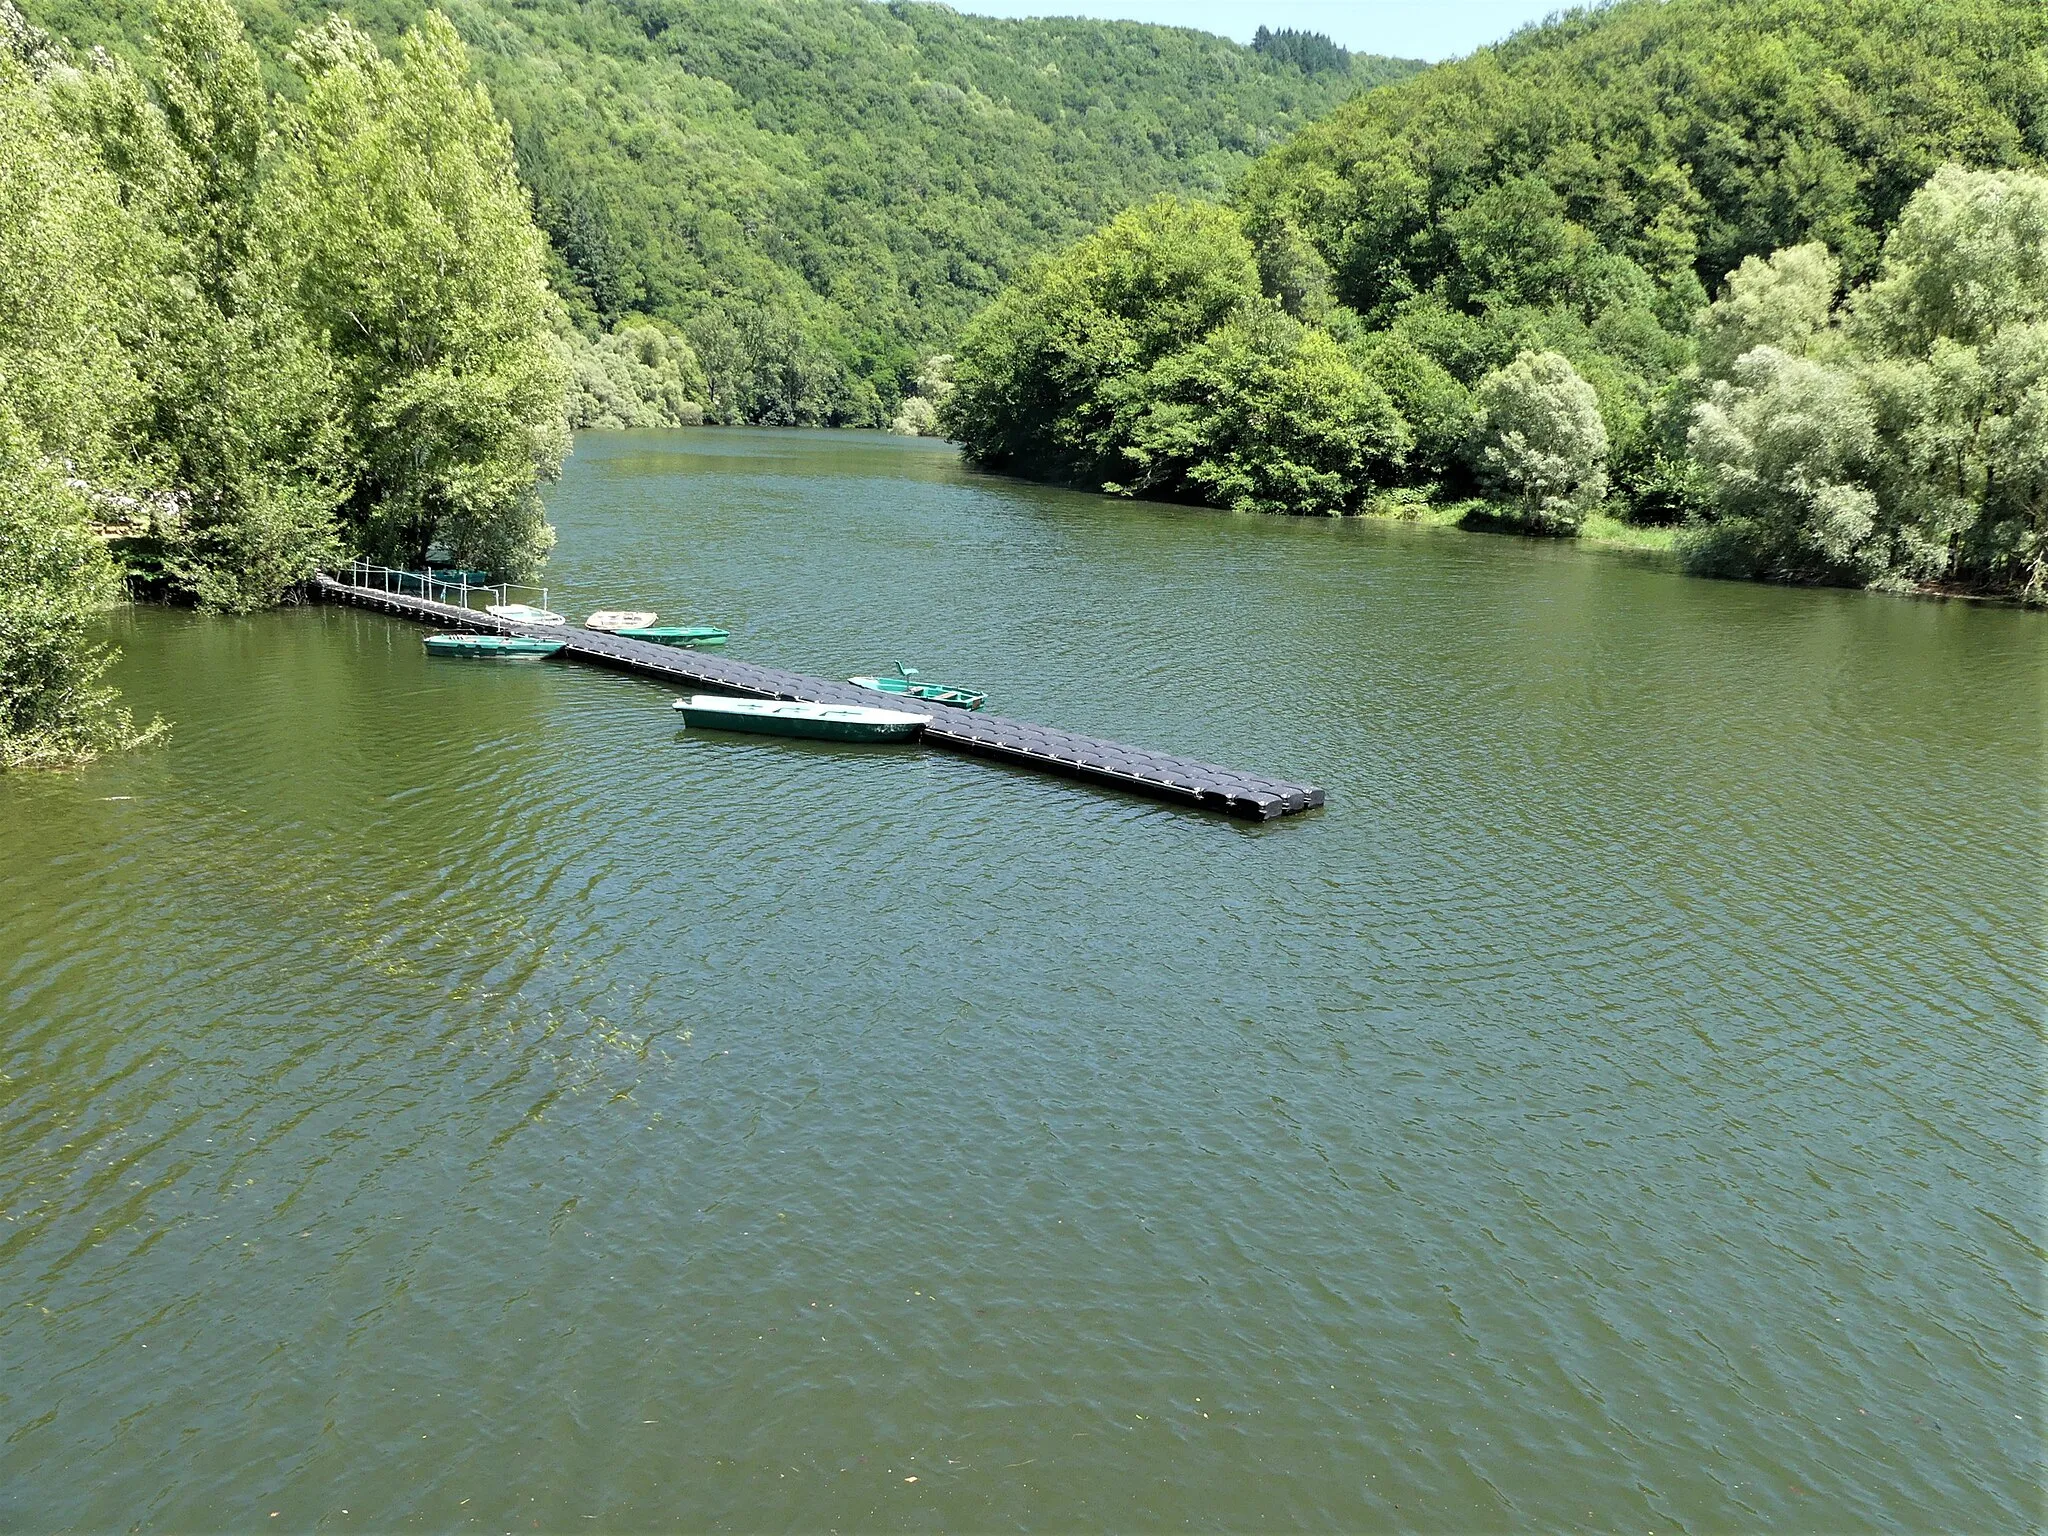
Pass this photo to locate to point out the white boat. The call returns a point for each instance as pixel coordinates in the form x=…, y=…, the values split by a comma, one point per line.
x=523, y=613
x=782, y=717
x=613, y=619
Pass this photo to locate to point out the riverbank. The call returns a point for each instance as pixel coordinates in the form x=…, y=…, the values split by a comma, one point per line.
x=1478, y=516
x=1602, y=531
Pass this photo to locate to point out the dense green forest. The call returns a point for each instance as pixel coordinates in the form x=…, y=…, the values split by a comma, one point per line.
x=1772, y=270
x=817, y=194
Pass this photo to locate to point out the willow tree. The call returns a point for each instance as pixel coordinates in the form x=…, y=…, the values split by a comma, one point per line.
x=1910, y=444
x=394, y=220
x=1957, y=321
x=55, y=580
x=1538, y=441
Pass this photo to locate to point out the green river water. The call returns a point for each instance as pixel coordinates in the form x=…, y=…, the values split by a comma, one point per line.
x=444, y=1094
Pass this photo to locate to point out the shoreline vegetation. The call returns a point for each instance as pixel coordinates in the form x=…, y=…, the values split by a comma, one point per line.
x=1477, y=515
x=1769, y=275
x=1762, y=284
x=243, y=331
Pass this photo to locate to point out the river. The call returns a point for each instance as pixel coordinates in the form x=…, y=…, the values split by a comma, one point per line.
x=447, y=1094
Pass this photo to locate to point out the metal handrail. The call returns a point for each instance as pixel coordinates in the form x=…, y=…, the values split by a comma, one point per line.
x=368, y=576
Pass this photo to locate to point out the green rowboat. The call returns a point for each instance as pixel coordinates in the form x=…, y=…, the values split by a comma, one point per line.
x=492, y=647
x=690, y=637
x=434, y=580
x=907, y=684
x=779, y=717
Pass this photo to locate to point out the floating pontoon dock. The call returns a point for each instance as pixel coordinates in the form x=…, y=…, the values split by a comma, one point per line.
x=1157, y=774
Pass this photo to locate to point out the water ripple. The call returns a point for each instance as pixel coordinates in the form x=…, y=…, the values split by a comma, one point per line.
x=441, y=1092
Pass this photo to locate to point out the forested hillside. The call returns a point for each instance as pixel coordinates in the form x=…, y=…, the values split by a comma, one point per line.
x=821, y=192
x=1496, y=278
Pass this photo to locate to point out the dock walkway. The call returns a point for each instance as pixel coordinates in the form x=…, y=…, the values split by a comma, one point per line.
x=1157, y=774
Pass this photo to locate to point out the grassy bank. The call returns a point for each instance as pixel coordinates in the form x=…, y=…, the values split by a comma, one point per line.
x=1615, y=534
x=1489, y=517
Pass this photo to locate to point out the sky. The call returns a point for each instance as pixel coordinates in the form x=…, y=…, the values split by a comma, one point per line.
x=1409, y=29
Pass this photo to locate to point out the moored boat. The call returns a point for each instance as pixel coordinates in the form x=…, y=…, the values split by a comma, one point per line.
x=782, y=717
x=907, y=684
x=613, y=620
x=524, y=613
x=690, y=637
x=431, y=583
x=492, y=647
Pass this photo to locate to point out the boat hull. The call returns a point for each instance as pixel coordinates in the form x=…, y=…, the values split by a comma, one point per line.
x=818, y=722
x=614, y=620
x=525, y=613
x=492, y=647
x=689, y=637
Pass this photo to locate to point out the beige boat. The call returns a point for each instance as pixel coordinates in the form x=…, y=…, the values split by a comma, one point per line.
x=612, y=620
x=524, y=613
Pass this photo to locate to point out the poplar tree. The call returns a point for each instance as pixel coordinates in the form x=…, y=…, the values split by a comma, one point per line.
x=68, y=269
x=395, y=223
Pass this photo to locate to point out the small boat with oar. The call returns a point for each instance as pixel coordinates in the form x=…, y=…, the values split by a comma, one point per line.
x=690, y=637
x=782, y=717
x=492, y=647
x=907, y=684
x=612, y=620
x=524, y=613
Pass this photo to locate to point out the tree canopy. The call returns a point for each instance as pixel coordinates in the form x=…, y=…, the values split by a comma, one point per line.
x=1515, y=254
x=1901, y=440
x=68, y=393
x=240, y=333
x=1307, y=51
x=817, y=194
x=1678, y=135
x=403, y=236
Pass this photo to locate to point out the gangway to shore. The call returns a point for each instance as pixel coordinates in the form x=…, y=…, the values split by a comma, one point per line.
x=1160, y=775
